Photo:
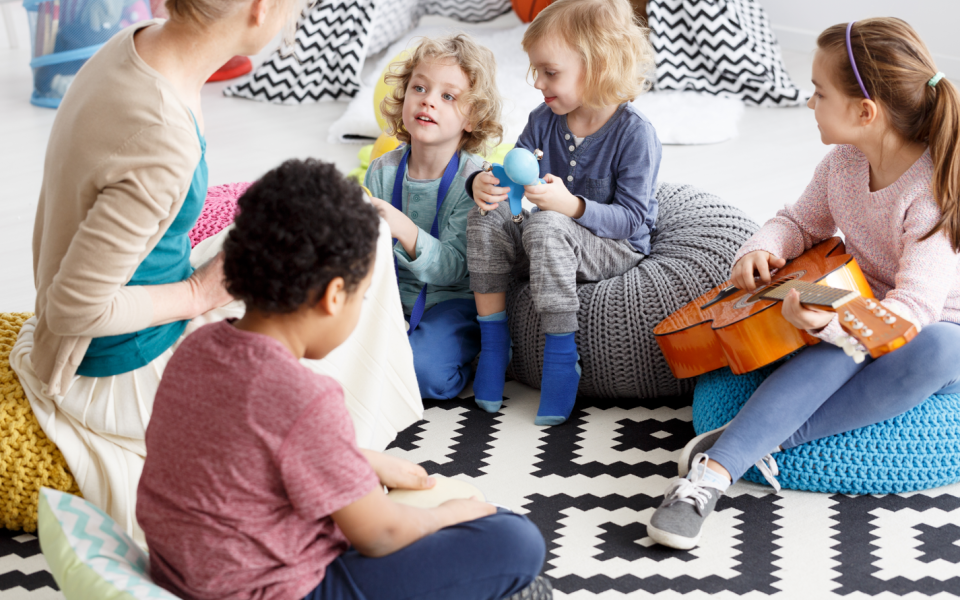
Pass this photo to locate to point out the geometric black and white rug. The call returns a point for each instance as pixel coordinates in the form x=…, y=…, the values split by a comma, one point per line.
x=591, y=485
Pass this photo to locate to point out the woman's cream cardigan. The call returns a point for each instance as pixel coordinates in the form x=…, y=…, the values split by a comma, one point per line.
x=119, y=163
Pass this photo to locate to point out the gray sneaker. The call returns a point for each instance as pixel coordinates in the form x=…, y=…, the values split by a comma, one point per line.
x=678, y=522
x=702, y=444
x=539, y=589
x=698, y=445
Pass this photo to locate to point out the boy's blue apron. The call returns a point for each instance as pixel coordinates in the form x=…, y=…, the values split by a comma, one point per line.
x=397, y=200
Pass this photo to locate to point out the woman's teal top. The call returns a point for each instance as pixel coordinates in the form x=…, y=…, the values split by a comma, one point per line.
x=168, y=262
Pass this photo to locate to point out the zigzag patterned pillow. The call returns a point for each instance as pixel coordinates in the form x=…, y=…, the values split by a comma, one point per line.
x=722, y=47
x=327, y=56
x=90, y=556
x=335, y=37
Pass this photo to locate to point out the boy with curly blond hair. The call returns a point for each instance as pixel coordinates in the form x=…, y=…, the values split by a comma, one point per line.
x=446, y=109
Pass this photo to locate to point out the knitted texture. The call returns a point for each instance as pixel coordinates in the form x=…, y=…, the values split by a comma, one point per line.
x=28, y=459
x=917, y=450
x=691, y=252
x=218, y=212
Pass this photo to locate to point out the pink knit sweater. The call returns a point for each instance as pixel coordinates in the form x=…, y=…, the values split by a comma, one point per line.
x=917, y=280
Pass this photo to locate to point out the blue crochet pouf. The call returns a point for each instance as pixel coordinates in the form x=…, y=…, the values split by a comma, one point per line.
x=917, y=450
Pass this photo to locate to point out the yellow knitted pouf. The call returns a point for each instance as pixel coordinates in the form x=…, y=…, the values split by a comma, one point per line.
x=28, y=459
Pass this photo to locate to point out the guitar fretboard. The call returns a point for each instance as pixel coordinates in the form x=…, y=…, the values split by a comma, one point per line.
x=811, y=293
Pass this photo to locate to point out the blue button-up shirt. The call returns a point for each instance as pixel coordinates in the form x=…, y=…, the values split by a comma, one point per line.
x=614, y=170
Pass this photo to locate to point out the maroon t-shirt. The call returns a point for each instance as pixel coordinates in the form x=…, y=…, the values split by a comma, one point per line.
x=248, y=454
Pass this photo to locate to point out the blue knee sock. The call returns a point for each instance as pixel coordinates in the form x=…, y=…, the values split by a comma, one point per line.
x=495, y=354
x=561, y=376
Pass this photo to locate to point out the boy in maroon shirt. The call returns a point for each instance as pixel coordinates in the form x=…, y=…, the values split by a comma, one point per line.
x=254, y=486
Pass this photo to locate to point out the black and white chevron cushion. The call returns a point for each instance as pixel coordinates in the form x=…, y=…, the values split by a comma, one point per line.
x=392, y=19
x=333, y=39
x=326, y=60
x=473, y=11
x=723, y=47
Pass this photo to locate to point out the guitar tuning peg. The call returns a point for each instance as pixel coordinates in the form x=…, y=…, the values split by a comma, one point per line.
x=870, y=304
x=848, y=316
x=867, y=332
x=538, y=153
x=889, y=319
x=880, y=312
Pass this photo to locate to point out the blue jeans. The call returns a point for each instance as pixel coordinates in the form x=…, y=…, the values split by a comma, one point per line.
x=821, y=392
x=487, y=559
x=444, y=344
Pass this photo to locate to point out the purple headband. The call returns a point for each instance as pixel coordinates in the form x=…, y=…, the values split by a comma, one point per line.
x=853, y=63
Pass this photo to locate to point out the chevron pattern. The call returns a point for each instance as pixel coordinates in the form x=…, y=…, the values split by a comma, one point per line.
x=100, y=544
x=325, y=61
x=475, y=11
x=723, y=47
x=392, y=19
x=333, y=39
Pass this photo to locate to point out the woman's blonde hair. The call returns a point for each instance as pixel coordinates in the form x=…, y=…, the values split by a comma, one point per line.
x=481, y=104
x=204, y=12
x=613, y=45
x=896, y=68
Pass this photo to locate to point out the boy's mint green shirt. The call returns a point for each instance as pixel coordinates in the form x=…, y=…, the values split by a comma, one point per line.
x=441, y=264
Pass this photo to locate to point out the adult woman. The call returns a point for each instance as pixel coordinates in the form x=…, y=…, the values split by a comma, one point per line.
x=124, y=182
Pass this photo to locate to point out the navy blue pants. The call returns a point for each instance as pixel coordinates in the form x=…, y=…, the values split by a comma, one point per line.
x=487, y=559
x=444, y=344
x=821, y=392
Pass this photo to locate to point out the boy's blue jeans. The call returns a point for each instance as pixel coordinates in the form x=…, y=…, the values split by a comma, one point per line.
x=487, y=559
x=821, y=392
x=444, y=344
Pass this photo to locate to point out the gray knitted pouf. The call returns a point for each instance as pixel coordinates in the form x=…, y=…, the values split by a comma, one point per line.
x=691, y=251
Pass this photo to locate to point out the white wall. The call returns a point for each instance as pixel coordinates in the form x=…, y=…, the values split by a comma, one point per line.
x=797, y=23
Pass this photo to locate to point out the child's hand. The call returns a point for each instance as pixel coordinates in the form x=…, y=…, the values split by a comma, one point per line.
x=401, y=227
x=554, y=195
x=397, y=473
x=486, y=194
x=757, y=261
x=462, y=509
x=804, y=318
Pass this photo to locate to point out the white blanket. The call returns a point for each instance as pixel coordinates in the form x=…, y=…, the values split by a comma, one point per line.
x=679, y=117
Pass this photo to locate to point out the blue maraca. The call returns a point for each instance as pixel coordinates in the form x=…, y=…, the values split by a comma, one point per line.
x=520, y=167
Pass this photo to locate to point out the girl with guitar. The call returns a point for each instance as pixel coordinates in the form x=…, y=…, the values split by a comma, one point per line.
x=892, y=186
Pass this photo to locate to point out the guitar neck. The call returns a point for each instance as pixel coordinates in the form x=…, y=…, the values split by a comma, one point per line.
x=811, y=294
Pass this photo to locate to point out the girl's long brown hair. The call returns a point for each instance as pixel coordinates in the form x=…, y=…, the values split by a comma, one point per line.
x=895, y=66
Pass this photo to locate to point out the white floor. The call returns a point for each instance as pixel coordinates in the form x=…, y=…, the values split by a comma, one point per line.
x=768, y=164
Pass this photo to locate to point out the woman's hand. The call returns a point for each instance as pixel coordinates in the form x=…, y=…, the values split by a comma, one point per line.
x=486, y=194
x=397, y=473
x=804, y=318
x=208, y=286
x=554, y=195
x=758, y=261
x=401, y=227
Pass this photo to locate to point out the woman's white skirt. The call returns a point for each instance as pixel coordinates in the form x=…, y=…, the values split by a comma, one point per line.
x=99, y=422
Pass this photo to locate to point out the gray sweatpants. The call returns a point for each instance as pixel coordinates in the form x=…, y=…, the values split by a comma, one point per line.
x=550, y=249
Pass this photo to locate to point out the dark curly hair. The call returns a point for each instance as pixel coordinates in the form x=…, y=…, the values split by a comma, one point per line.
x=299, y=227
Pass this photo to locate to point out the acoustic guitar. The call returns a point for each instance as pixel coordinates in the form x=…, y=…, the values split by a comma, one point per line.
x=744, y=330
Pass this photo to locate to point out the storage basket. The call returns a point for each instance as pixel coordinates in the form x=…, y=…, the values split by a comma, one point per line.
x=65, y=33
